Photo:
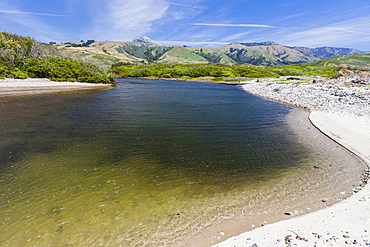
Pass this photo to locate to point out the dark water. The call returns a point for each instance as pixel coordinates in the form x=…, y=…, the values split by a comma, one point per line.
x=146, y=163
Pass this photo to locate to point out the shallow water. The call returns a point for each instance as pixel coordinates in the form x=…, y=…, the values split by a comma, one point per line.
x=149, y=163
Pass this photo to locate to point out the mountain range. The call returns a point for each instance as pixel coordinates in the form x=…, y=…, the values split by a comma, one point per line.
x=145, y=50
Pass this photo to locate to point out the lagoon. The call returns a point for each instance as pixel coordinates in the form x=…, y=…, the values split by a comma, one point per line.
x=156, y=163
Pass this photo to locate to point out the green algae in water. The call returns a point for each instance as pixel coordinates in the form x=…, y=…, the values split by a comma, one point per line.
x=148, y=163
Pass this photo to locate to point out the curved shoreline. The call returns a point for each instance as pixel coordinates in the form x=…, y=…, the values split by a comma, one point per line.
x=339, y=220
x=342, y=224
x=32, y=86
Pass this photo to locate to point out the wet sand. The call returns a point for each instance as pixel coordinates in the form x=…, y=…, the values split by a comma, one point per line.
x=323, y=197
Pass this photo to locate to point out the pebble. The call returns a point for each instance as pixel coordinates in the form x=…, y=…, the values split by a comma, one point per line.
x=327, y=95
x=319, y=96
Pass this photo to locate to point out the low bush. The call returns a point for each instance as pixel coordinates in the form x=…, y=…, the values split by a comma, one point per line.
x=22, y=57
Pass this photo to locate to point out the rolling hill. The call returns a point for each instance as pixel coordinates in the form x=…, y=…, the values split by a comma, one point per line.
x=145, y=50
x=357, y=61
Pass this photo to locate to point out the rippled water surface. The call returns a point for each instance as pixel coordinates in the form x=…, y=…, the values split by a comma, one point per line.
x=146, y=163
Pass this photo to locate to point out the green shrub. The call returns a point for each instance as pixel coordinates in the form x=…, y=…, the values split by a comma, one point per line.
x=22, y=57
x=18, y=74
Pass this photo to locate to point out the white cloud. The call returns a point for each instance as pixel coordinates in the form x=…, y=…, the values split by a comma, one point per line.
x=232, y=25
x=30, y=13
x=237, y=36
x=129, y=19
x=27, y=24
x=345, y=33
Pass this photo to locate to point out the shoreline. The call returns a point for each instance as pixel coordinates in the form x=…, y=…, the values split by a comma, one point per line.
x=33, y=86
x=335, y=216
x=340, y=112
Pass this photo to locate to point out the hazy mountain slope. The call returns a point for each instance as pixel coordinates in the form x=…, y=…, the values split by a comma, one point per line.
x=326, y=52
x=145, y=41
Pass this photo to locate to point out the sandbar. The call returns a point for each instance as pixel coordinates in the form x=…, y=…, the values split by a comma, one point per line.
x=12, y=87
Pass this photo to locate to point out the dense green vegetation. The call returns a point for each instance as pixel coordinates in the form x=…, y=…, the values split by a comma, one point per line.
x=83, y=44
x=305, y=69
x=22, y=57
x=190, y=71
x=218, y=71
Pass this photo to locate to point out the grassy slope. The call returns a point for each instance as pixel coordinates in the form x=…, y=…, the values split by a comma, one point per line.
x=358, y=61
x=106, y=53
x=109, y=52
x=268, y=55
x=181, y=55
x=103, y=52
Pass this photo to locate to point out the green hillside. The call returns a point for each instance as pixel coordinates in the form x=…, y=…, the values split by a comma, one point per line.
x=181, y=55
x=23, y=57
x=145, y=50
x=358, y=61
x=148, y=53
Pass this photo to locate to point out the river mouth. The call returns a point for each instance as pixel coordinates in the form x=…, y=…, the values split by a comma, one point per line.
x=154, y=163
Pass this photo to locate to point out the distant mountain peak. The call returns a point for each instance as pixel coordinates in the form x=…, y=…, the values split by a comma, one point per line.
x=146, y=41
x=266, y=43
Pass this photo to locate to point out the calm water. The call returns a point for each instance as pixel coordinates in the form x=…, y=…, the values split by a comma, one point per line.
x=146, y=163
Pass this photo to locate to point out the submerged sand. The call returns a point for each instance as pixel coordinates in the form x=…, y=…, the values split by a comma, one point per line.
x=341, y=113
x=343, y=224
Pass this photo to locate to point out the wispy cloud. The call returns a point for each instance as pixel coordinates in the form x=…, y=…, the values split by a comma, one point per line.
x=27, y=23
x=237, y=36
x=180, y=4
x=30, y=13
x=290, y=17
x=128, y=19
x=345, y=30
x=232, y=25
x=342, y=33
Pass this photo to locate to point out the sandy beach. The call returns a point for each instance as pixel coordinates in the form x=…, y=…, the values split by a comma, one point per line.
x=11, y=87
x=341, y=112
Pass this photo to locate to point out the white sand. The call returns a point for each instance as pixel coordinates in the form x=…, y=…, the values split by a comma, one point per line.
x=346, y=223
x=38, y=86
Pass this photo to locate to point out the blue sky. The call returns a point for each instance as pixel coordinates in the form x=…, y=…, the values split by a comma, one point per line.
x=314, y=23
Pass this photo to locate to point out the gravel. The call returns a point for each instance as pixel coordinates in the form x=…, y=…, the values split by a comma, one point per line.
x=315, y=94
